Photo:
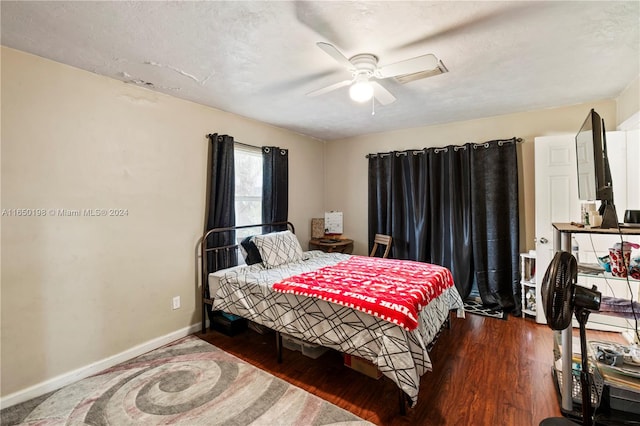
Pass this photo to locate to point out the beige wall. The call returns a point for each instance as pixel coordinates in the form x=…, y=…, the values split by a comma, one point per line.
x=628, y=102
x=346, y=165
x=76, y=290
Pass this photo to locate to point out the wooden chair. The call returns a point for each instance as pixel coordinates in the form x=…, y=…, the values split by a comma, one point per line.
x=383, y=240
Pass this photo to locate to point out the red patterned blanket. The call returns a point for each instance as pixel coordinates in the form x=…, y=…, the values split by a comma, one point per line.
x=394, y=290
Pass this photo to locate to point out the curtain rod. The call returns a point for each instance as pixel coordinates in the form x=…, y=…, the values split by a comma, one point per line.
x=456, y=147
x=239, y=143
x=246, y=145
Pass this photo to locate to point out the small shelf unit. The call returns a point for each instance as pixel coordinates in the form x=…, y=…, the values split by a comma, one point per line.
x=528, y=283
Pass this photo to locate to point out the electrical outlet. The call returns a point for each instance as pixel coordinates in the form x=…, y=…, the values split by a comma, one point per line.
x=176, y=302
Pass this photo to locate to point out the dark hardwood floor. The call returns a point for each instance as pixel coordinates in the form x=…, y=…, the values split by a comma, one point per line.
x=485, y=372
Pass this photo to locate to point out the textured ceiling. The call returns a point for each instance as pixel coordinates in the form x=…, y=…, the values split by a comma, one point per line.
x=258, y=59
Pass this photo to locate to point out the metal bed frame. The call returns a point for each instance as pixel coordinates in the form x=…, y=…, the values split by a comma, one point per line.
x=207, y=247
x=207, y=300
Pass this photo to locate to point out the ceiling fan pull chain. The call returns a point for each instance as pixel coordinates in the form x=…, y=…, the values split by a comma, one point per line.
x=373, y=105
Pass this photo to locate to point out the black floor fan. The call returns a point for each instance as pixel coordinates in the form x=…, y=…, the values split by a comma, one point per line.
x=561, y=296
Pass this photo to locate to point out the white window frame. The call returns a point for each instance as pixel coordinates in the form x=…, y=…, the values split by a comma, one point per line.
x=242, y=233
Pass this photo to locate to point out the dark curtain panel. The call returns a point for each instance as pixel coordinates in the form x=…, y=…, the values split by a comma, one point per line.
x=398, y=198
x=410, y=198
x=275, y=186
x=220, y=206
x=494, y=194
x=379, y=199
x=450, y=214
x=456, y=207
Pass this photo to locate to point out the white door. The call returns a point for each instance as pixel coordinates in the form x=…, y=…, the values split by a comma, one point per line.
x=633, y=160
x=556, y=198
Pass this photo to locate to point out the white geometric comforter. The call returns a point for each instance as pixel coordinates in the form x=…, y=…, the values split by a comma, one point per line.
x=400, y=355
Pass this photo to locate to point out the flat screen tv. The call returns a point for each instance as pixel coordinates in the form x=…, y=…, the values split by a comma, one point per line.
x=594, y=174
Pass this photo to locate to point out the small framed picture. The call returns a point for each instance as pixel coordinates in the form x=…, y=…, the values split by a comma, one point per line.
x=333, y=223
x=317, y=227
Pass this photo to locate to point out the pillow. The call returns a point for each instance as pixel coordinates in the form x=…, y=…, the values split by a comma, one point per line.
x=278, y=248
x=251, y=253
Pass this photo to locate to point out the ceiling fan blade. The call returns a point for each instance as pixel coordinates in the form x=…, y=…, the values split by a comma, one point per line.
x=330, y=88
x=296, y=83
x=406, y=78
x=332, y=51
x=409, y=66
x=314, y=16
x=381, y=94
x=510, y=11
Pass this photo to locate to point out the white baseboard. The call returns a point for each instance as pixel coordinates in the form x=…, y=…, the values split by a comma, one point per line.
x=86, y=371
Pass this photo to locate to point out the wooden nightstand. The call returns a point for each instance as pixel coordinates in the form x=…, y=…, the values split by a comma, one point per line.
x=329, y=245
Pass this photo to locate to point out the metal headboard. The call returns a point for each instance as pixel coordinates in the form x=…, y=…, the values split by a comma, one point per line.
x=224, y=252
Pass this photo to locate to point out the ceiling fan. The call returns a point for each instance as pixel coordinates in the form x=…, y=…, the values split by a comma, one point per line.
x=365, y=70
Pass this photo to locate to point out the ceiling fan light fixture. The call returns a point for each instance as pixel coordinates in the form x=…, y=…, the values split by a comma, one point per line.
x=365, y=72
x=361, y=91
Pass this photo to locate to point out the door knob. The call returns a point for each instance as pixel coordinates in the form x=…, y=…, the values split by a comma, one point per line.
x=542, y=240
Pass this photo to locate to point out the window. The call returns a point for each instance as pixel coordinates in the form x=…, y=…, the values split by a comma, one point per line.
x=248, y=187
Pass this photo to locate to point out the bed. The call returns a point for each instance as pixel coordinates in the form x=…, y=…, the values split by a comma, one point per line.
x=256, y=292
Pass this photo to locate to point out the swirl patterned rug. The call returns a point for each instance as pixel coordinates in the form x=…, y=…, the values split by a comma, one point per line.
x=186, y=382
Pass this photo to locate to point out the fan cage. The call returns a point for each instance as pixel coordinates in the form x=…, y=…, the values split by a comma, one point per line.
x=558, y=284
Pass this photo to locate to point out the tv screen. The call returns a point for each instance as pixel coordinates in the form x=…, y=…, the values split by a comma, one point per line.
x=594, y=177
x=594, y=174
x=585, y=155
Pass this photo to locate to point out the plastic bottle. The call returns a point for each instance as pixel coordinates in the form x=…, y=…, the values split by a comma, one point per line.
x=575, y=248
